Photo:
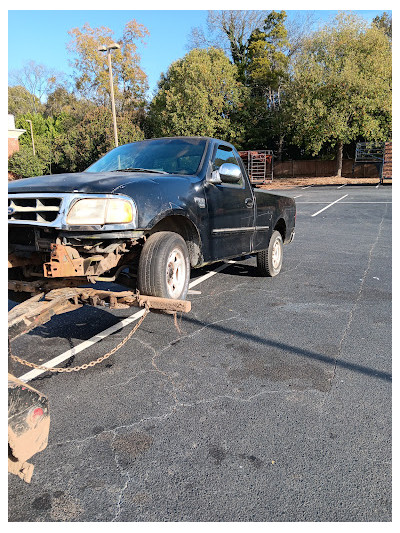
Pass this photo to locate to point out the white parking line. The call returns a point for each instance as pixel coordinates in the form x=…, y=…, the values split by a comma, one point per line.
x=377, y=186
x=356, y=202
x=298, y=196
x=326, y=207
x=209, y=274
x=307, y=187
x=344, y=185
x=109, y=331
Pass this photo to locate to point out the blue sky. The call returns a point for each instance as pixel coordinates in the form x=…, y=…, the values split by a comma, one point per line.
x=42, y=35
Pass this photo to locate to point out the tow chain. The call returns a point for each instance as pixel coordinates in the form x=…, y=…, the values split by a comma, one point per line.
x=86, y=365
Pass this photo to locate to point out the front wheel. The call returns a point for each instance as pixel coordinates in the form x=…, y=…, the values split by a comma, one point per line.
x=164, y=267
x=269, y=262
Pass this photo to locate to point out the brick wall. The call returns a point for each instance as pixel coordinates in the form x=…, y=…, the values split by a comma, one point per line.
x=13, y=146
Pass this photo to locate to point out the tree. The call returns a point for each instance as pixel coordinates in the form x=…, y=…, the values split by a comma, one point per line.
x=91, y=69
x=79, y=142
x=61, y=101
x=44, y=131
x=38, y=80
x=384, y=23
x=267, y=62
x=230, y=31
x=21, y=101
x=199, y=95
x=340, y=90
x=266, y=69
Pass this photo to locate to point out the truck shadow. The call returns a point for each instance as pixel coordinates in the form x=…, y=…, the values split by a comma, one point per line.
x=296, y=350
x=100, y=320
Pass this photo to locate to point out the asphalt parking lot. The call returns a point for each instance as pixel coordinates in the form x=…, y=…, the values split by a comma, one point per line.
x=272, y=403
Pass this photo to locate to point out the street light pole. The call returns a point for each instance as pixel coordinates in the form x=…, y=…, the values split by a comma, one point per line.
x=33, y=142
x=108, y=50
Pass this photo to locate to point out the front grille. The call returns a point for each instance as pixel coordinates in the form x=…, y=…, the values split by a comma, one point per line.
x=40, y=210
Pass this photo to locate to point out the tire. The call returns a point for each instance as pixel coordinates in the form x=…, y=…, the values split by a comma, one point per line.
x=269, y=262
x=164, y=267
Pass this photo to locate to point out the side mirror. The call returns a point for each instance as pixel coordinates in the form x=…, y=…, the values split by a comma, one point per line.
x=230, y=173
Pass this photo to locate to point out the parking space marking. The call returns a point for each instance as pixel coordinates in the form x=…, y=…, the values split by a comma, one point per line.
x=307, y=187
x=344, y=185
x=351, y=202
x=209, y=274
x=298, y=196
x=326, y=207
x=377, y=186
x=109, y=331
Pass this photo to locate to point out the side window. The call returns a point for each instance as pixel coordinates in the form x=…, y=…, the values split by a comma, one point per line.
x=225, y=154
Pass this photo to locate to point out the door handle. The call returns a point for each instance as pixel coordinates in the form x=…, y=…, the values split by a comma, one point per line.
x=249, y=202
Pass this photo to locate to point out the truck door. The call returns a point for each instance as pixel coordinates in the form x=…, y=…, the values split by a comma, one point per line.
x=231, y=210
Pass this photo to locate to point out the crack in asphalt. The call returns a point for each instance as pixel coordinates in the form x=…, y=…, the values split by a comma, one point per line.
x=355, y=304
x=123, y=488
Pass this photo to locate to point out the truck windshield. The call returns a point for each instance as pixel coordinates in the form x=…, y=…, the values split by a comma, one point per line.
x=173, y=156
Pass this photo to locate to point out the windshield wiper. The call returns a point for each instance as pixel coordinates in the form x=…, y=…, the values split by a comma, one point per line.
x=140, y=170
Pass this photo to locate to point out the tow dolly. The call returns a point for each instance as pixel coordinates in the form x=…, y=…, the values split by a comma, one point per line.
x=28, y=409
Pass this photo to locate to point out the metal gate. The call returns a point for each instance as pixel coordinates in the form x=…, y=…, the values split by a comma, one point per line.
x=259, y=164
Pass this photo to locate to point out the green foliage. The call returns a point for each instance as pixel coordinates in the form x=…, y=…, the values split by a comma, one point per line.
x=80, y=143
x=313, y=94
x=199, y=95
x=42, y=127
x=91, y=66
x=341, y=86
x=267, y=62
x=265, y=71
x=61, y=101
x=25, y=165
x=384, y=23
x=21, y=101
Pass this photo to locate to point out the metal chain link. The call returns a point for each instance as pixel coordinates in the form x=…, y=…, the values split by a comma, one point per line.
x=86, y=365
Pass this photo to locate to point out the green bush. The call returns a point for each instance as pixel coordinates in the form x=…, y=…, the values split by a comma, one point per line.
x=25, y=165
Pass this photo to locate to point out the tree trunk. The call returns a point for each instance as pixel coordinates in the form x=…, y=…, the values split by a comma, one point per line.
x=280, y=149
x=339, y=158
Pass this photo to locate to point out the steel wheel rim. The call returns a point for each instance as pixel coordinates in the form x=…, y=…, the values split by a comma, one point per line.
x=176, y=273
x=276, y=254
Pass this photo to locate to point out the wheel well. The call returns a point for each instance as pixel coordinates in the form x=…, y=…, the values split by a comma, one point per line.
x=184, y=227
x=281, y=227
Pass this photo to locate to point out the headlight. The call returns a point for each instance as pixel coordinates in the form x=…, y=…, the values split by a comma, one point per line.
x=100, y=211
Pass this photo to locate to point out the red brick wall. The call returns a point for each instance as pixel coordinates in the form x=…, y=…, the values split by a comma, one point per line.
x=13, y=146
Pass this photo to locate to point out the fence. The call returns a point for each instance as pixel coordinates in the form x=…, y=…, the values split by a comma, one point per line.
x=387, y=167
x=318, y=168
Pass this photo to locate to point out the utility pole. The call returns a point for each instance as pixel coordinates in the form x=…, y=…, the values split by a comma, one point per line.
x=108, y=49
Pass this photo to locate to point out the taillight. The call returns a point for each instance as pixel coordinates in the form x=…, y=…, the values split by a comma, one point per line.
x=35, y=415
x=37, y=412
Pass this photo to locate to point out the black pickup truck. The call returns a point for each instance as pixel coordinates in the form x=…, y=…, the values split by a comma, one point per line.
x=143, y=215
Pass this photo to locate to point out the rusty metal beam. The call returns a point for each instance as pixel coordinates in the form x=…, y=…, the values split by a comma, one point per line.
x=42, y=307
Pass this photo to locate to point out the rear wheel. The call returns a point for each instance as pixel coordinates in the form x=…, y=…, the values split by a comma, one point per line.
x=269, y=262
x=164, y=267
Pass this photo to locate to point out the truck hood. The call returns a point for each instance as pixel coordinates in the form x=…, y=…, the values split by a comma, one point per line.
x=88, y=182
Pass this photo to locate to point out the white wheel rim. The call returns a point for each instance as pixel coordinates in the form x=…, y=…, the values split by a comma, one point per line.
x=176, y=273
x=276, y=254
